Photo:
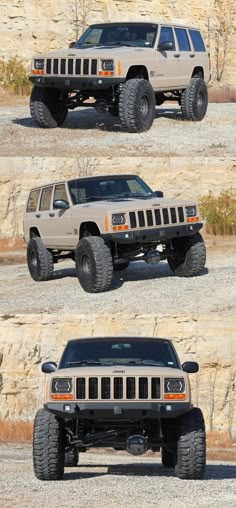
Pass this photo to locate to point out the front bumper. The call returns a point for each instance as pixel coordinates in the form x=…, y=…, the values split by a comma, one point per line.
x=118, y=410
x=152, y=234
x=76, y=83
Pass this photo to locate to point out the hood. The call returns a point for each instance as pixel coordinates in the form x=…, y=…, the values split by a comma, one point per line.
x=130, y=204
x=95, y=52
x=118, y=370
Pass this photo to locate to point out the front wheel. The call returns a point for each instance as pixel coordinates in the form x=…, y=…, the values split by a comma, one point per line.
x=40, y=260
x=194, y=100
x=71, y=458
x=48, y=446
x=137, y=105
x=48, y=107
x=191, y=446
x=188, y=256
x=94, y=264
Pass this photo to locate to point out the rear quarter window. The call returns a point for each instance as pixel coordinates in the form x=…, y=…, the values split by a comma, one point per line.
x=197, y=40
x=33, y=201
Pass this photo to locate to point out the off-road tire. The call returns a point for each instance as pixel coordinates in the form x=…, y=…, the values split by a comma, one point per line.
x=94, y=264
x=40, y=260
x=48, y=446
x=121, y=266
x=137, y=105
x=191, y=446
x=47, y=107
x=168, y=458
x=194, y=100
x=71, y=458
x=189, y=256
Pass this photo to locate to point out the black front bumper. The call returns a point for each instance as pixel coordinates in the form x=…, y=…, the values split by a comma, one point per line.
x=118, y=411
x=152, y=234
x=76, y=83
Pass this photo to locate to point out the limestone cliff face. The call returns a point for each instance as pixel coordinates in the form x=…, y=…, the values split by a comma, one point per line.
x=29, y=26
x=175, y=176
x=28, y=340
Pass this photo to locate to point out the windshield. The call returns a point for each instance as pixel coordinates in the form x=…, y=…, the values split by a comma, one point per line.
x=122, y=34
x=117, y=188
x=119, y=351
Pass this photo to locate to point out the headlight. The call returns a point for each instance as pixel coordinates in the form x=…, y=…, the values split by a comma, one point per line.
x=62, y=385
x=39, y=64
x=118, y=219
x=107, y=65
x=191, y=211
x=174, y=385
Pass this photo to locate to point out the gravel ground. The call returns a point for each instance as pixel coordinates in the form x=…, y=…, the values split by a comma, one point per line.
x=86, y=132
x=132, y=289
x=108, y=480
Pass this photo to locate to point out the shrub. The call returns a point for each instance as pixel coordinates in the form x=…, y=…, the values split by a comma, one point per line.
x=14, y=77
x=219, y=213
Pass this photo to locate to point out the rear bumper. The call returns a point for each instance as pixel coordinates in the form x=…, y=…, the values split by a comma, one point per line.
x=118, y=411
x=76, y=83
x=152, y=234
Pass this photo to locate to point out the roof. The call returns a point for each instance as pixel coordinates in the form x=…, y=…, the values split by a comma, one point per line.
x=121, y=338
x=92, y=178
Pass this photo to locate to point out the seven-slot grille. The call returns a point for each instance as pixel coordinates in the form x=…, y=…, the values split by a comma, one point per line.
x=156, y=217
x=71, y=66
x=118, y=388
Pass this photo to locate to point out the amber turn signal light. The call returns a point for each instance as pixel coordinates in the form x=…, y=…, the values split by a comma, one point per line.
x=105, y=73
x=192, y=219
x=61, y=396
x=37, y=71
x=174, y=396
x=119, y=228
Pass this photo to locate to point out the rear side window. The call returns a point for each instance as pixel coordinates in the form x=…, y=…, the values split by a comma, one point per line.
x=166, y=35
x=197, y=41
x=45, y=199
x=60, y=192
x=182, y=38
x=33, y=201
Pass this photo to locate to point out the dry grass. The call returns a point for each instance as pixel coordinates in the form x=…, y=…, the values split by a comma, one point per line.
x=16, y=432
x=14, y=77
x=219, y=213
x=222, y=94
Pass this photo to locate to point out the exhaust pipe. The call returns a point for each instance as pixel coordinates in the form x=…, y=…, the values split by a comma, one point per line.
x=136, y=444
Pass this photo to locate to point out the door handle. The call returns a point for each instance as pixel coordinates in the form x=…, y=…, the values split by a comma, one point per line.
x=177, y=55
x=192, y=55
x=51, y=214
x=38, y=215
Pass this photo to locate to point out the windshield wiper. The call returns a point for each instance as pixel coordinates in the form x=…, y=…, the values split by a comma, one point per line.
x=148, y=363
x=84, y=362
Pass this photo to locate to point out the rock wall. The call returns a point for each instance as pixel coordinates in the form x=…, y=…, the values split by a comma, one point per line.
x=176, y=176
x=28, y=340
x=30, y=26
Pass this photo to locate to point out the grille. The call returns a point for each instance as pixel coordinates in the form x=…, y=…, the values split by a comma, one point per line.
x=156, y=217
x=118, y=388
x=71, y=66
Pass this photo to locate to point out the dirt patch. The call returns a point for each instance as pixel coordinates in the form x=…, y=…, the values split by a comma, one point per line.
x=87, y=133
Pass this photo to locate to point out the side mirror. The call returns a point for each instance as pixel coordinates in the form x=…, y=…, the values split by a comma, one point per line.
x=159, y=194
x=72, y=44
x=48, y=367
x=60, y=204
x=166, y=46
x=190, y=367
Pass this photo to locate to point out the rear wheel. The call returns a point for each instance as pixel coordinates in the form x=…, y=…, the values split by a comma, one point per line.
x=194, y=100
x=94, y=264
x=189, y=256
x=191, y=446
x=48, y=446
x=40, y=260
x=71, y=458
x=137, y=105
x=47, y=107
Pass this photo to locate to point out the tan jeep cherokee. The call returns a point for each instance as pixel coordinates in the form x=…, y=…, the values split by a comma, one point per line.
x=104, y=223
x=127, y=68
x=127, y=393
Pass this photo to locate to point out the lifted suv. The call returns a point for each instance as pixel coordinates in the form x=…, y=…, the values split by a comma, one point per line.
x=127, y=393
x=127, y=68
x=104, y=223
